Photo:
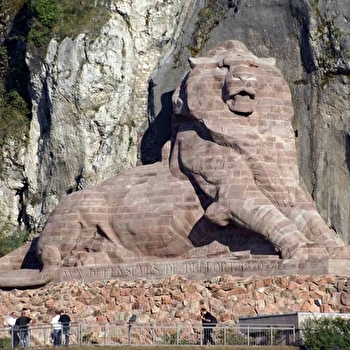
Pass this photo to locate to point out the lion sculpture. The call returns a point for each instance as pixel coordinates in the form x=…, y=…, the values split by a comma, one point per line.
x=228, y=182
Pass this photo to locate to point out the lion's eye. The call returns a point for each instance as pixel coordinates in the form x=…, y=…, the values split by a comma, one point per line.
x=253, y=64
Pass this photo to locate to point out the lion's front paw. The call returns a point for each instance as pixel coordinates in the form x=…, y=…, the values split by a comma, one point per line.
x=305, y=251
x=339, y=252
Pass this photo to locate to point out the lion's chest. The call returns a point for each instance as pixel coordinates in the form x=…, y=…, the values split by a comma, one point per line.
x=212, y=168
x=208, y=165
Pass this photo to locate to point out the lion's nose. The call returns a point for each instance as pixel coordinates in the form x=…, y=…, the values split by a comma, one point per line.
x=240, y=79
x=243, y=73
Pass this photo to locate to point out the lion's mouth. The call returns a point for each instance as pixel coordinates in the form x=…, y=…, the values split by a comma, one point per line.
x=242, y=102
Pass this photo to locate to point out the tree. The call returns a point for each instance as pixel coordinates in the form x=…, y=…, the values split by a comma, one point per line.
x=326, y=333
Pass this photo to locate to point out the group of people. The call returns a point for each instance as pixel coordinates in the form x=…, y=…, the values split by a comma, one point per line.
x=20, y=328
x=60, y=323
x=60, y=326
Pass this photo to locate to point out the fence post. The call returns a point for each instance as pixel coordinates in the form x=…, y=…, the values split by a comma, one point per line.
x=12, y=337
x=105, y=334
x=129, y=334
x=248, y=337
x=177, y=334
x=80, y=339
x=271, y=336
x=294, y=337
x=46, y=337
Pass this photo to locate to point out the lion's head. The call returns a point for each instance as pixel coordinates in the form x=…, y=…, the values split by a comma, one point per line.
x=230, y=83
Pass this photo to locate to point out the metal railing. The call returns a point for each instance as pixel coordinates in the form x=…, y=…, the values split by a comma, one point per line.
x=155, y=334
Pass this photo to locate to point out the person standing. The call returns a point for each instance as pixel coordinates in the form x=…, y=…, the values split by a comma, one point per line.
x=65, y=322
x=208, y=323
x=102, y=320
x=22, y=327
x=56, y=329
x=11, y=322
x=131, y=322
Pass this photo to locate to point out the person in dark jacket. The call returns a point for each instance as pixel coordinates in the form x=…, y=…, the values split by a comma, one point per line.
x=22, y=328
x=207, y=323
x=65, y=321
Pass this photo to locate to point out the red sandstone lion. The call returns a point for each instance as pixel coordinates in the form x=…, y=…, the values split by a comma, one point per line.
x=230, y=182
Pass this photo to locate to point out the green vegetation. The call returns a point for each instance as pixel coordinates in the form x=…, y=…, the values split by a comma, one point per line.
x=34, y=23
x=11, y=7
x=89, y=338
x=234, y=337
x=64, y=18
x=14, y=114
x=44, y=16
x=171, y=339
x=12, y=242
x=208, y=18
x=31, y=25
x=5, y=343
x=327, y=333
x=184, y=347
x=8, y=243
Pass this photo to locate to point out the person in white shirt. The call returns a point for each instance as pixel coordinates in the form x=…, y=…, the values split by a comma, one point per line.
x=56, y=329
x=11, y=320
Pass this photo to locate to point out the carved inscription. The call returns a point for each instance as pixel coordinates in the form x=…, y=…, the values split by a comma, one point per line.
x=163, y=269
x=71, y=274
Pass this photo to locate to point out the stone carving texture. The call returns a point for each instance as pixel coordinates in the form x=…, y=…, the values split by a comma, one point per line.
x=229, y=182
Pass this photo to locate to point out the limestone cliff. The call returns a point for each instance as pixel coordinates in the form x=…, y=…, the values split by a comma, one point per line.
x=101, y=105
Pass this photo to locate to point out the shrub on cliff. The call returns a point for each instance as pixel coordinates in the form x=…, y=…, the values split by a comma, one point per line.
x=53, y=18
x=44, y=15
x=8, y=243
x=13, y=117
x=326, y=333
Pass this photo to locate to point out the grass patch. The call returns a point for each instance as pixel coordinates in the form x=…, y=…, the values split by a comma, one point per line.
x=64, y=18
x=185, y=347
x=12, y=242
x=14, y=114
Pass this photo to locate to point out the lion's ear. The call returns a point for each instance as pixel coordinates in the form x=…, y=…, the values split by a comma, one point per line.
x=179, y=107
x=269, y=61
x=207, y=62
x=177, y=103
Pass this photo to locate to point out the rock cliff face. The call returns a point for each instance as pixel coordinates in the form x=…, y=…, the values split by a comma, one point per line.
x=101, y=105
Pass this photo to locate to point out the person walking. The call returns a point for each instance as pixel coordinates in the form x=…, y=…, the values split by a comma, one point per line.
x=22, y=327
x=208, y=322
x=56, y=329
x=65, y=322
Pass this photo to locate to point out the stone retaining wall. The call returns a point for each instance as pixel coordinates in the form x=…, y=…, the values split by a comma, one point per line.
x=177, y=299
